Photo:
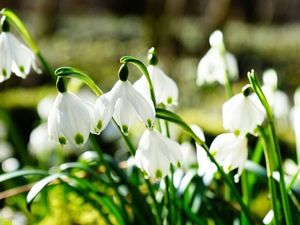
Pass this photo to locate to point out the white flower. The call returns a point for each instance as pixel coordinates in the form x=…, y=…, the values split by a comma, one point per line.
x=242, y=115
x=102, y=113
x=15, y=57
x=155, y=153
x=277, y=99
x=216, y=62
x=189, y=157
x=206, y=168
x=165, y=89
x=69, y=120
x=129, y=105
x=230, y=152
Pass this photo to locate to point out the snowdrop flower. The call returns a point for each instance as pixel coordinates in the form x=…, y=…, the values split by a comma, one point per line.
x=241, y=114
x=230, y=151
x=15, y=57
x=277, y=99
x=206, y=168
x=155, y=153
x=165, y=89
x=69, y=120
x=295, y=118
x=189, y=157
x=216, y=63
x=128, y=104
x=39, y=143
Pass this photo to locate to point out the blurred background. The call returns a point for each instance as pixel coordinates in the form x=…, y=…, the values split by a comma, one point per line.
x=92, y=36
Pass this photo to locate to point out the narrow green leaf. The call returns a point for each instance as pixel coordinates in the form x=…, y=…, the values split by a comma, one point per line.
x=39, y=186
x=21, y=173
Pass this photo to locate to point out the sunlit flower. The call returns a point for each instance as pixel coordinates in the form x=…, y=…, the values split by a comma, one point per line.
x=216, y=63
x=277, y=99
x=230, y=151
x=69, y=120
x=15, y=57
x=242, y=115
x=165, y=89
x=129, y=105
x=156, y=153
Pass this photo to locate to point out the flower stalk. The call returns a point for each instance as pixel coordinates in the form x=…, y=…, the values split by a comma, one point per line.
x=274, y=146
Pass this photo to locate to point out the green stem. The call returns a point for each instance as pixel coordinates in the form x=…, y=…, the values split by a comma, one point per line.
x=275, y=146
x=70, y=72
x=172, y=117
x=271, y=182
x=45, y=64
x=245, y=193
x=293, y=180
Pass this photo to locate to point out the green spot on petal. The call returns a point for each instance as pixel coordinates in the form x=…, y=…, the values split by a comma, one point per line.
x=98, y=126
x=149, y=123
x=178, y=164
x=158, y=174
x=22, y=69
x=125, y=129
x=213, y=153
x=78, y=139
x=236, y=132
x=169, y=100
x=62, y=140
x=4, y=73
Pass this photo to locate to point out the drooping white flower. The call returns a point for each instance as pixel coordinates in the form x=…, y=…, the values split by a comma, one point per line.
x=129, y=105
x=69, y=120
x=231, y=152
x=165, y=89
x=156, y=153
x=189, y=157
x=216, y=63
x=242, y=115
x=277, y=99
x=15, y=57
x=101, y=113
x=206, y=168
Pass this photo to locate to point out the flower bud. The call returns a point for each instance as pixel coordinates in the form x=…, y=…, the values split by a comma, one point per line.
x=152, y=57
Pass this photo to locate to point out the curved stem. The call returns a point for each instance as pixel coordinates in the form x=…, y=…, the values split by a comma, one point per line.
x=71, y=72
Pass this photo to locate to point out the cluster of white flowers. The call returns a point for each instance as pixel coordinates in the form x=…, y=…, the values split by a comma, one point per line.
x=71, y=120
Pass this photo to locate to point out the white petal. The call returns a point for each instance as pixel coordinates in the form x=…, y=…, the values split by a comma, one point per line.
x=141, y=85
x=69, y=119
x=144, y=108
x=124, y=114
x=103, y=113
x=166, y=90
x=5, y=57
x=241, y=114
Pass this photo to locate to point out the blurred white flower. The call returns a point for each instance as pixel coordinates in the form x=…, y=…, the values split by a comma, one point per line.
x=156, y=153
x=295, y=119
x=241, y=114
x=39, y=143
x=69, y=120
x=231, y=152
x=189, y=157
x=165, y=89
x=44, y=106
x=10, y=164
x=15, y=217
x=6, y=150
x=15, y=57
x=129, y=105
x=277, y=99
x=216, y=63
x=206, y=168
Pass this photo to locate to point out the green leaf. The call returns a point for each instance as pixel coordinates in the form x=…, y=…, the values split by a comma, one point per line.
x=39, y=186
x=21, y=173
